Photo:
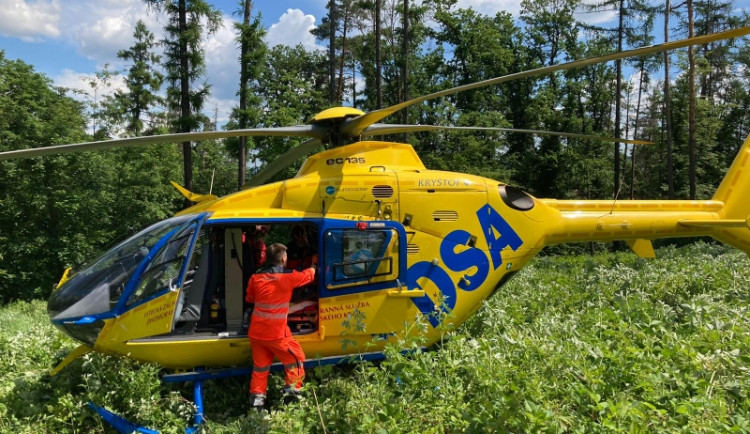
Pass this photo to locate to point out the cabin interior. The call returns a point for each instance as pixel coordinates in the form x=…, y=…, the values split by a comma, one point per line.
x=225, y=256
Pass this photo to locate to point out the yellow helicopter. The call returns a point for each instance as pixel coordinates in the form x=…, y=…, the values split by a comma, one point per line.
x=395, y=241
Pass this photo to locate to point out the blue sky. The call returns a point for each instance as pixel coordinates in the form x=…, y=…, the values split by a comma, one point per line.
x=69, y=39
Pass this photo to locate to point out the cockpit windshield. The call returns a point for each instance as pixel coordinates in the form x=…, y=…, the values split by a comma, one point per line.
x=97, y=288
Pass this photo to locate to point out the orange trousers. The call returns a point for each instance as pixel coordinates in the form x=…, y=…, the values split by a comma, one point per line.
x=289, y=353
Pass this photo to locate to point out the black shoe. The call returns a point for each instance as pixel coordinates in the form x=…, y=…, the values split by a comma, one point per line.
x=291, y=394
x=257, y=401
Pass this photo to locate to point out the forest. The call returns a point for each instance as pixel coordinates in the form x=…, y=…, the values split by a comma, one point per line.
x=692, y=104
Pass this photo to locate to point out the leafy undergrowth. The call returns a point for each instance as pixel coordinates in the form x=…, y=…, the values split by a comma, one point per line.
x=606, y=343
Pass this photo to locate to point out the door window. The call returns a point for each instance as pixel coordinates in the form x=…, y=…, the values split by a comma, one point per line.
x=361, y=256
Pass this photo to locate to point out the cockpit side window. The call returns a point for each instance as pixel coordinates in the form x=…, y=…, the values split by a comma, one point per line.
x=163, y=271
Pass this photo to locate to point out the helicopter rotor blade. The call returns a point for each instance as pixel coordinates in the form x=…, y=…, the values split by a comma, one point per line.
x=313, y=131
x=380, y=129
x=355, y=126
x=282, y=162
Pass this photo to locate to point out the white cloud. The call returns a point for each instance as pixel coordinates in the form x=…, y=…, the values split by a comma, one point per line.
x=70, y=79
x=80, y=89
x=103, y=38
x=293, y=28
x=100, y=29
x=30, y=20
x=595, y=17
x=491, y=7
x=222, y=70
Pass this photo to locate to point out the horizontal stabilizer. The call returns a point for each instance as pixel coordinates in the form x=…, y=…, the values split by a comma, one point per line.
x=725, y=223
x=642, y=248
x=64, y=278
x=193, y=197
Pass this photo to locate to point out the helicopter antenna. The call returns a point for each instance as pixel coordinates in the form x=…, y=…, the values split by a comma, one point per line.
x=617, y=193
x=622, y=176
x=619, y=189
x=211, y=188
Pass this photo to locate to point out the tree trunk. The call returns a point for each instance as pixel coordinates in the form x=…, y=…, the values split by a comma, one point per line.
x=354, y=82
x=378, y=57
x=340, y=87
x=405, y=71
x=635, y=128
x=668, y=108
x=332, y=52
x=241, y=157
x=691, y=104
x=187, y=151
x=618, y=96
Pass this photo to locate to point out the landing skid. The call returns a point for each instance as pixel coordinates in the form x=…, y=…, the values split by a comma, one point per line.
x=125, y=426
x=119, y=423
x=198, y=376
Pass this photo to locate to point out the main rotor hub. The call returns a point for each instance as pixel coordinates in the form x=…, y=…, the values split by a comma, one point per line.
x=336, y=113
x=332, y=119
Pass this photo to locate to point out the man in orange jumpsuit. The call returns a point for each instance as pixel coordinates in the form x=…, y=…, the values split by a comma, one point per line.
x=270, y=289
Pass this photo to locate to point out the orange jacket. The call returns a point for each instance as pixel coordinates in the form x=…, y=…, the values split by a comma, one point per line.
x=271, y=291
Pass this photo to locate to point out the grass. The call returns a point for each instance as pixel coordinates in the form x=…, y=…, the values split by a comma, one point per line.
x=605, y=343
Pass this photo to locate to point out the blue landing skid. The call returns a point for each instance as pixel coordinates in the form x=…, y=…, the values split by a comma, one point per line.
x=198, y=376
x=125, y=426
x=119, y=423
x=198, y=396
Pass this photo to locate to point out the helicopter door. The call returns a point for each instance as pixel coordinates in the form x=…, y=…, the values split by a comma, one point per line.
x=364, y=266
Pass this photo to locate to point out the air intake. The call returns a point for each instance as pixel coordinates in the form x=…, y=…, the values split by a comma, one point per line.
x=382, y=191
x=445, y=216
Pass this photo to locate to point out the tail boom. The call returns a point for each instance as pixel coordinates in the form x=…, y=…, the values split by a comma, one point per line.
x=726, y=217
x=600, y=220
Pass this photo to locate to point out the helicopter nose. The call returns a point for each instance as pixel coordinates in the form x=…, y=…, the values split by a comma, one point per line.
x=79, y=305
x=76, y=311
x=84, y=330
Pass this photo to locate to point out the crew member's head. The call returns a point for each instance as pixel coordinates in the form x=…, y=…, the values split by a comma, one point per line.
x=276, y=254
x=298, y=234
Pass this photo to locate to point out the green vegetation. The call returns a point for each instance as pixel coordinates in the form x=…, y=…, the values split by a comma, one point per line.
x=605, y=343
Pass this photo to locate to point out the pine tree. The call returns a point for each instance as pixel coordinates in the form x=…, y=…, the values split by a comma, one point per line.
x=143, y=79
x=252, y=54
